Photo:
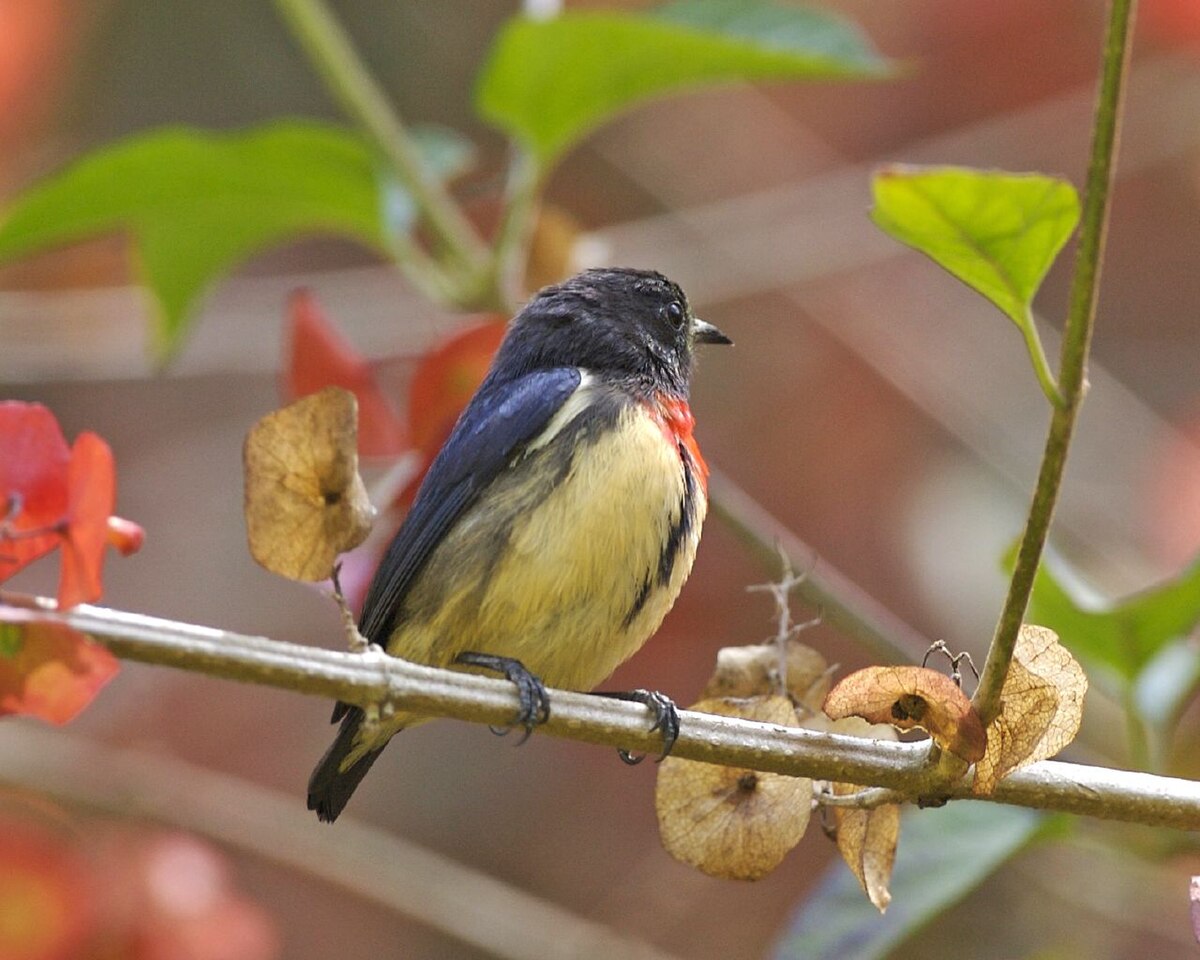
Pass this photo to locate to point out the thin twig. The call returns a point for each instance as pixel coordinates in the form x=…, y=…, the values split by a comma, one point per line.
x=511, y=246
x=358, y=93
x=1072, y=376
x=781, y=592
x=373, y=678
x=843, y=604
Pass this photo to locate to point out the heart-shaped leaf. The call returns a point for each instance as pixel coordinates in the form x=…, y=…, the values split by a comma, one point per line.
x=547, y=83
x=197, y=203
x=996, y=232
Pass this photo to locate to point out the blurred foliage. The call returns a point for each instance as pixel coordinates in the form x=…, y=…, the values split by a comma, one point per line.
x=943, y=855
x=198, y=203
x=549, y=82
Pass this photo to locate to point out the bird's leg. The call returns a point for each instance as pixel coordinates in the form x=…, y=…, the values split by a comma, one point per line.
x=666, y=719
x=535, y=702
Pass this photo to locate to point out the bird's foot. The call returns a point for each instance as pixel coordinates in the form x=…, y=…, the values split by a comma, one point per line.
x=531, y=692
x=666, y=719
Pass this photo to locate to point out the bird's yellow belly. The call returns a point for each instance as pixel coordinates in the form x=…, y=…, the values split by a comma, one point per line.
x=568, y=594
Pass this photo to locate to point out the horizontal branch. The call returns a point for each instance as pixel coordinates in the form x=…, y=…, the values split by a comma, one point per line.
x=376, y=678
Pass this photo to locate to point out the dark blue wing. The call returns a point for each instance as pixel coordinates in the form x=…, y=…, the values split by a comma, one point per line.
x=498, y=422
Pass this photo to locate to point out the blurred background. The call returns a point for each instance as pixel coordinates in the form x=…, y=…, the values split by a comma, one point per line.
x=882, y=412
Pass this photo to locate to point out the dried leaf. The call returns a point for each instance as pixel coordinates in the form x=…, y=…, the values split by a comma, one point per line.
x=909, y=697
x=867, y=841
x=552, y=247
x=753, y=670
x=305, y=502
x=727, y=822
x=1041, y=706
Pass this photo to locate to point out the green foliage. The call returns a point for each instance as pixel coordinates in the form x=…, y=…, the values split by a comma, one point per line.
x=1166, y=684
x=550, y=82
x=996, y=232
x=943, y=855
x=11, y=640
x=1124, y=636
x=197, y=203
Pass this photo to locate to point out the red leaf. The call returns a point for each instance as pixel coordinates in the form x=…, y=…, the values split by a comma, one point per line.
x=446, y=378
x=33, y=483
x=54, y=671
x=319, y=356
x=444, y=381
x=34, y=47
x=1173, y=23
x=46, y=905
x=92, y=489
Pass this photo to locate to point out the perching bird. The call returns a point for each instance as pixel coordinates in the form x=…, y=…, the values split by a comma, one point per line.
x=556, y=526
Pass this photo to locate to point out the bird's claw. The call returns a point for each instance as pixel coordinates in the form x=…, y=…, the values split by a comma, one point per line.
x=666, y=719
x=531, y=692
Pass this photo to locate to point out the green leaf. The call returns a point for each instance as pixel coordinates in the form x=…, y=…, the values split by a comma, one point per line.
x=1168, y=681
x=996, y=232
x=943, y=855
x=1121, y=636
x=197, y=203
x=12, y=638
x=547, y=83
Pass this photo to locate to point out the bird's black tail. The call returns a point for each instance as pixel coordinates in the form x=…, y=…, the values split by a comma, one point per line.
x=330, y=787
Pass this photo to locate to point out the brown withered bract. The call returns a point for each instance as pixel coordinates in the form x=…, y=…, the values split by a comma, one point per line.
x=1041, y=706
x=304, y=500
x=908, y=697
x=729, y=822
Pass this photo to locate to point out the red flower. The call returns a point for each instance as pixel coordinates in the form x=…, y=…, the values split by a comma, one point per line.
x=319, y=356
x=54, y=496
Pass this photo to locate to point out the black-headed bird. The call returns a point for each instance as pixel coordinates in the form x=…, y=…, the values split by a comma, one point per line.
x=558, y=523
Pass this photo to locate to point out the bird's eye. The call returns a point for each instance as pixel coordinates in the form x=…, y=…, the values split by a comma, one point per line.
x=675, y=314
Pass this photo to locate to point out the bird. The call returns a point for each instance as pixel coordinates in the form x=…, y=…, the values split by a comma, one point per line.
x=557, y=524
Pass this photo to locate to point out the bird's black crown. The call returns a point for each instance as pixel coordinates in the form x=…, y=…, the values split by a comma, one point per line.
x=632, y=324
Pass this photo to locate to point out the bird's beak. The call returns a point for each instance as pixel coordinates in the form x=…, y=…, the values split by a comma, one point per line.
x=705, y=332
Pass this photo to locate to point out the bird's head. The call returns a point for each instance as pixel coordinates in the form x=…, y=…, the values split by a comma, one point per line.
x=635, y=325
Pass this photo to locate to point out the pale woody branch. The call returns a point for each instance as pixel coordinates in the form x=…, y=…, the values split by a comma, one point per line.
x=377, y=679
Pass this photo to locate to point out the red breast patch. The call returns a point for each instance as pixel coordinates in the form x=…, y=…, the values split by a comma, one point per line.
x=675, y=418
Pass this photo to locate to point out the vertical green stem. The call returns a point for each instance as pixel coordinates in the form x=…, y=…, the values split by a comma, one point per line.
x=516, y=228
x=1073, y=363
x=331, y=52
